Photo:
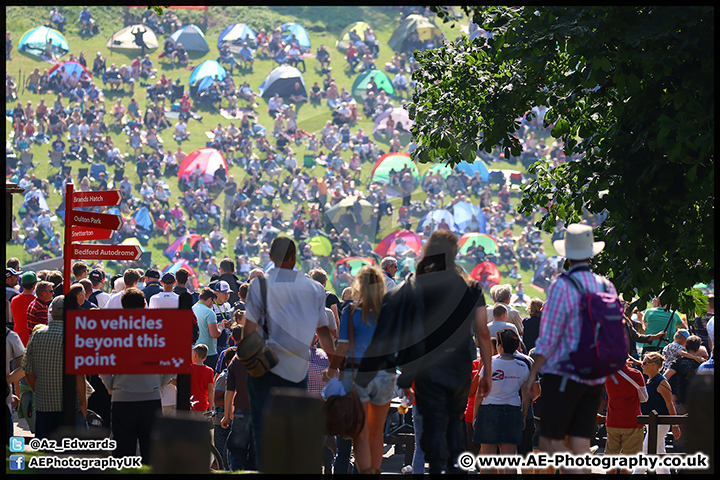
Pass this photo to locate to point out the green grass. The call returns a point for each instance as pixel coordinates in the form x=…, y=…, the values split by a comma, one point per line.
x=323, y=25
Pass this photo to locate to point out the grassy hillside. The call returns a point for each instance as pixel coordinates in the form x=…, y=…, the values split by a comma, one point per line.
x=323, y=25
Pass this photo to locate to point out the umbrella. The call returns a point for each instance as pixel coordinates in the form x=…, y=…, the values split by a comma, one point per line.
x=320, y=245
x=487, y=274
x=174, y=267
x=387, y=246
x=342, y=215
x=470, y=239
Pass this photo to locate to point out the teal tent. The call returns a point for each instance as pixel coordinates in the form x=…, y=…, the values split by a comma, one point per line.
x=383, y=82
x=34, y=40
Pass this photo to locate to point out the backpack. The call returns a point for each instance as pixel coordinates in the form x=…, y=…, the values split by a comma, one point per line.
x=602, y=348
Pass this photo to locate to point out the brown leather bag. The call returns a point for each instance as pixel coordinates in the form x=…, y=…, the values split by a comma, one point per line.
x=257, y=357
x=345, y=414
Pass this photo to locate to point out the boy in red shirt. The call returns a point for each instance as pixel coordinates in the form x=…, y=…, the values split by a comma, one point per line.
x=202, y=381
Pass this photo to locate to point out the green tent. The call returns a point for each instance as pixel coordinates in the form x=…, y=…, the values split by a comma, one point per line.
x=320, y=245
x=359, y=88
x=425, y=28
x=440, y=168
x=477, y=239
x=344, y=41
x=397, y=161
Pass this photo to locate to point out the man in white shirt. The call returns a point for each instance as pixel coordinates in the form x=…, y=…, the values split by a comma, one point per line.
x=167, y=298
x=295, y=313
x=181, y=132
x=400, y=82
x=98, y=297
x=268, y=192
x=274, y=105
x=131, y=279
x=389, y=267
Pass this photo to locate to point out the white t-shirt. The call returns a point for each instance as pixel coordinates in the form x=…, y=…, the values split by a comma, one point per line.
x=13, y=348
x=496, y=326
x=164, y=300
x=508, y=375
x=102, y=298
x=296, y=308
x=115, y=301
x=331, y=319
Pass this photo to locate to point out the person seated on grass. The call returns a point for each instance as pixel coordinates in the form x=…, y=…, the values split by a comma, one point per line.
x=297, y=95
x=368, y=62
x=113, y=78
x=32, y=82
x=181, y=131
x=179, y=56
x=146, y=68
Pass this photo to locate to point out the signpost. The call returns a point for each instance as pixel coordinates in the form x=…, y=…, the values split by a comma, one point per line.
x=106, y=252
x=103, y=198
x=85, y=233
x=96, y=220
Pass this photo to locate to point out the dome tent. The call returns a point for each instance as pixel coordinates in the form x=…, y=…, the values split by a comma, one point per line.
x=192, y=39
x=434, y=217
x=389, y=161
x=235, y=35
x=383, y=82
x=344, y=39
x=70, y=68
x=477, y=239
x=34, y=40
x=208, y=68
x=387, y=245
x=399, y=115
x=301, y=35
x=208, y=159
x=281, y=81
x=426, y=30
x=124, y=41
x=470, y=168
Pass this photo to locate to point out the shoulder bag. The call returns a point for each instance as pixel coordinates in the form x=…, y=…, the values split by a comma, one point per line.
x=257, y=357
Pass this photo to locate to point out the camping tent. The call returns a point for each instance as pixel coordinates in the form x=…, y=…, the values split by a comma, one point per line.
x=434, y=217
x=470, y=168
x=124, y=41
x=344, y=39
x=235, y=35
x=474, y=238
x=399, y=115
x=143, y=220
x=341, y=215
x=192, y=39
x=182, y=244
x=390, y=161
x=437, y=168
x=34, y=40
x=547, y=272
x=487, y=274
x=301, y=35
x=359, y=88
x=174, y=267
x=208, y=159
x=426, y=29
x=208, y=68
x=463, y=212
x=281, y=81
x=70, y=67
x=355, y=264
x=387, y=246
x=320, y=245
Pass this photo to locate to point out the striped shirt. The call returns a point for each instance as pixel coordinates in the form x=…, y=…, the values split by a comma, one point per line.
x=560, y=322
x=318, y=362
x=43, y=358
x=37, y=314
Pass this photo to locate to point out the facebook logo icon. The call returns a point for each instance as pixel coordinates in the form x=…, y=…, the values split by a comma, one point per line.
x=17, y=462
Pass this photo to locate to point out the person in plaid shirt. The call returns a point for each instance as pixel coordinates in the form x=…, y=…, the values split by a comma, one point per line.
x=37, y=312
x=570, y=403
x=43, y=367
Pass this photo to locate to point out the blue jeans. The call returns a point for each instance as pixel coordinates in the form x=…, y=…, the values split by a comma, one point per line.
x=418, y=463
x=241, y=451
x=259, y=393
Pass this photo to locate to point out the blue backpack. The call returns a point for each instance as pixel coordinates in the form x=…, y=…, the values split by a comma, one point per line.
x=603, y=347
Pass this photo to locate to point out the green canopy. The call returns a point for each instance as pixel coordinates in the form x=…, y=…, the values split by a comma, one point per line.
x=359, y=88
x=344, y=41
x=440, y=168
x=320, y=245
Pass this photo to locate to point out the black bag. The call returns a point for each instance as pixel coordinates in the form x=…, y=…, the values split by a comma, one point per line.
x=257, y=357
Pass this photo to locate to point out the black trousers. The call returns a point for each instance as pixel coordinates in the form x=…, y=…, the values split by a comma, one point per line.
x=132, y=422
x=441, y=396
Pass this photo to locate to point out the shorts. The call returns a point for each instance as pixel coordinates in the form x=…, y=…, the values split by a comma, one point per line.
x=496, y=424
x=627, y=441
x=569, y=413
x=379, y=391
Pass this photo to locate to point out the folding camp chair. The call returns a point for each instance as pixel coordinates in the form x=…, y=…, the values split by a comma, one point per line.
x=95, y=170
x=308, y=161
x=56, y=159
x=26, y=161
x=82, y=173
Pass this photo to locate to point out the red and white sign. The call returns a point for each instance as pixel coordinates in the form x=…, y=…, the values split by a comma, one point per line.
x=102, y=198
x=96, y=220
x=128, y=341
x=78, y=234
x=105, y=252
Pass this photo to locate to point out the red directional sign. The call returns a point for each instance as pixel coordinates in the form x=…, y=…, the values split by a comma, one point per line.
x=78, y=234
x=106, y=252
x=96, y=220
x=102, y=198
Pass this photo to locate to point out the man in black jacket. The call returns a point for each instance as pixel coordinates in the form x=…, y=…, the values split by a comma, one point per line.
x=153, y=286
x=227, y=273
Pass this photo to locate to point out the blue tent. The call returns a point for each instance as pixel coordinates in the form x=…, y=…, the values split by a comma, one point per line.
x=34, y=40
x=470, y=168
x=143, y=219
x=208, y=68
x=290, y=29
x=192, y=39
x=235, y=34
x=463, y=212
x=70, y=68
x=435, y=217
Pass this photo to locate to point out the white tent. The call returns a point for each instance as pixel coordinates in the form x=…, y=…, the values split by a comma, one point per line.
x=124, y=41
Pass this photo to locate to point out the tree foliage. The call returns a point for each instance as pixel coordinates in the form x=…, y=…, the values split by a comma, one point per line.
x=630, y=92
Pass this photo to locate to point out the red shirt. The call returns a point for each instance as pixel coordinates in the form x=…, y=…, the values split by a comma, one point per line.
x=19, y=307
x=623, y=401
x=37, y=314
x=476, y=365
x=200, y=377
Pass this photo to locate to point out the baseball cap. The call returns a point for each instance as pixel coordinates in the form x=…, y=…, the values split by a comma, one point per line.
x=28, y=278
x=96, y=276
x=9, y=272
x=152, y=273
x=222, y=286
x=684, y=333
x=168, y=278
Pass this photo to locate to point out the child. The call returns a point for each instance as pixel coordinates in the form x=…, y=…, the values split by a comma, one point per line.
x=201, y=379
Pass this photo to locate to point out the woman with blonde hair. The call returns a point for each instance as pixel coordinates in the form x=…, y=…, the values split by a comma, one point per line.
x=368, y=290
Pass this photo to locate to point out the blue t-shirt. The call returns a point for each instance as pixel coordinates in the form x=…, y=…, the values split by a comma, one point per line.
x=363, y=333
x=205, y=316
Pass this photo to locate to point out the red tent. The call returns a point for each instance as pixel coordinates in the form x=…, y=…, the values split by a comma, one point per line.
x=208, y=160
x=487, y=274
x=387, y=245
